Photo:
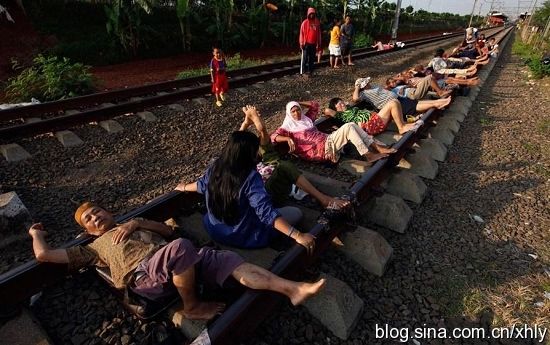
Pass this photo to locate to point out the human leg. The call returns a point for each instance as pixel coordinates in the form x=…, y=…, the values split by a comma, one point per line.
x=392, y=111
x=422, y=106
x=310, y=53
x=421, y=89
x=258, y=278
x=325, y=200
x=351, y=132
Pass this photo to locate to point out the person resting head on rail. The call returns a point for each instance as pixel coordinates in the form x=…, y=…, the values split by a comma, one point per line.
x=279, y=175
x=308, y=143
x=140, y=260
x=240, y=211
x=379, y=97
x=414, y=88
x=373, y=123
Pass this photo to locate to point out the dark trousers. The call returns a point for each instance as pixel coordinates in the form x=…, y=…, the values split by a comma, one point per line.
x=308, y=61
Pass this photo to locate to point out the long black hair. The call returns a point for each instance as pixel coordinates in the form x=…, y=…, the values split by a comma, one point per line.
x=238, y=158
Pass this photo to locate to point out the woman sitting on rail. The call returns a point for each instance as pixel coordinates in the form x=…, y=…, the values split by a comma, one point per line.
x=307, y=142
x=240, y=212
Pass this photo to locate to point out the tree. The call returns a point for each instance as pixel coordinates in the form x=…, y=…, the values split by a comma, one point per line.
x=540, y=17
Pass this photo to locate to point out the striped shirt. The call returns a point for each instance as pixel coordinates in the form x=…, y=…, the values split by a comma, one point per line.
x=378, y=96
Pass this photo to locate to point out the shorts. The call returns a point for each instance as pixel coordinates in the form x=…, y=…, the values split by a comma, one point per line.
x=212, y=267
x=375, y=125
x=334, y=49
x=346, y=48
x=408, y=105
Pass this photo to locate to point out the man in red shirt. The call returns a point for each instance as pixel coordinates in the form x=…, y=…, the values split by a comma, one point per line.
x=310, y=40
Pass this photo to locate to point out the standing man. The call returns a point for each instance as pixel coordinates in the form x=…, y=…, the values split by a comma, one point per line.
x=347, y=31
x=310, y=40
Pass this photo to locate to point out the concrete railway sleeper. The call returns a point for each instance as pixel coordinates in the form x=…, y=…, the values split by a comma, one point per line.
x=366, y=247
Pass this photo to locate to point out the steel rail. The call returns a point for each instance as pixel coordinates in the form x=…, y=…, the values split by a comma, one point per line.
x=19, y=284
x=35, y=110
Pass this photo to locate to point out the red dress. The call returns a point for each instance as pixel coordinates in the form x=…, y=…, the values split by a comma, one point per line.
x=220, y=78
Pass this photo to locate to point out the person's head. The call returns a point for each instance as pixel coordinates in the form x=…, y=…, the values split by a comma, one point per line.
x=336, y=22
x=311, y=13
x=347, y=20
x=439, y=52
x=294, y=110
x=482, y=37
x=337, y=104
x=492, y=40
x=418, y=68
x=94, y=219
x=391, y=82
x=217, y=52
x=238, y=159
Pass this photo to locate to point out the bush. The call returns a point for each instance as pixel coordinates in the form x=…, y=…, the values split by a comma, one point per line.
x=50, y=79
x=532, y=59
x=362, y=40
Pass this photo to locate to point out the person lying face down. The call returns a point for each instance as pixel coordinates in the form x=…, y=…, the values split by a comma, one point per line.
x=307, y=142
x=371, y=122
x=138, y=259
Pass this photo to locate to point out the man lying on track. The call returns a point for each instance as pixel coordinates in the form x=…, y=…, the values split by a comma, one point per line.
x=415, y=88
x=373, y=123
x=138, y=260
x=379, y=97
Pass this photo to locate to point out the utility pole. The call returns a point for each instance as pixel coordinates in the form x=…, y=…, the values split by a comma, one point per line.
x=396, y=22
x=532, y=12
x=472, y=15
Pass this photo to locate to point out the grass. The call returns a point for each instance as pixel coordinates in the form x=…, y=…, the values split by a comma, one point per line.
x=485, y=121
x=234, y=62
x=530, y=147
x=544, y=126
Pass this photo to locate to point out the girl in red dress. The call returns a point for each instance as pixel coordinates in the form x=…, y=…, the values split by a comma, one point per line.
x=218, y=68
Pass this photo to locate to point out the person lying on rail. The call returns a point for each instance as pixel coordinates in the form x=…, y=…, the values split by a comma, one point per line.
x=139, y=259
x=415, y=88
x=379, y=97
x=240, y=211
x=381, y=46
x=445, y=66
x=308, y=143
x=446, y=82
x=279, y=175
x=492, y=47
x=372, y=122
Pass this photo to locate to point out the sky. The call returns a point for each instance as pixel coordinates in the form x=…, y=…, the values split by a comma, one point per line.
x=508, y=7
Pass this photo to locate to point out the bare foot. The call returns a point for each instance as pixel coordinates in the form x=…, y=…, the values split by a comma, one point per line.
x=334, y=203
x=384, y=149
x=305, y=291
x=406, y=127
x=445, y=94
x=373, y=157
x=444, y=102
x=203, y=310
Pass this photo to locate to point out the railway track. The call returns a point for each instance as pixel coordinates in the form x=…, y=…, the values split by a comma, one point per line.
x=251, y=308
x=60, y=115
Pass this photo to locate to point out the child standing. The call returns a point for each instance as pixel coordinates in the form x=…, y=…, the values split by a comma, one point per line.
x=334, y=46
x=218, y=68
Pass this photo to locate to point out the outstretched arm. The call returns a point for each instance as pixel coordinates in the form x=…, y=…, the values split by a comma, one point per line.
x=42, y=251
x=355, y=96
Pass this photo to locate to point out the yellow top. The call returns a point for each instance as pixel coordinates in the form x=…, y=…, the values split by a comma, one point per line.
x=335, y=35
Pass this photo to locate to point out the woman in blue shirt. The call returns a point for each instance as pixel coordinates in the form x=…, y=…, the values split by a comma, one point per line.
x=240, y=212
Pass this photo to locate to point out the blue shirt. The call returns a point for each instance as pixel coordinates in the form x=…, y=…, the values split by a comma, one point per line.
x=254, y=228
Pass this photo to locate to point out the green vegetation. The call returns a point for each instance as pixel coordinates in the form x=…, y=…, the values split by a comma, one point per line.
x=485, y=121
x=234, y=62
x=49, y=79
x=100, y=32
x=532, y=58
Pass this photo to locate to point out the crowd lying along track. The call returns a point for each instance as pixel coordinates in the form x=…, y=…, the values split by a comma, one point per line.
x=64, y=114
x=242, y=316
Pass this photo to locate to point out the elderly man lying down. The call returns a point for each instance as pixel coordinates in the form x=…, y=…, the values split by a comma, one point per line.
x=139, y=261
